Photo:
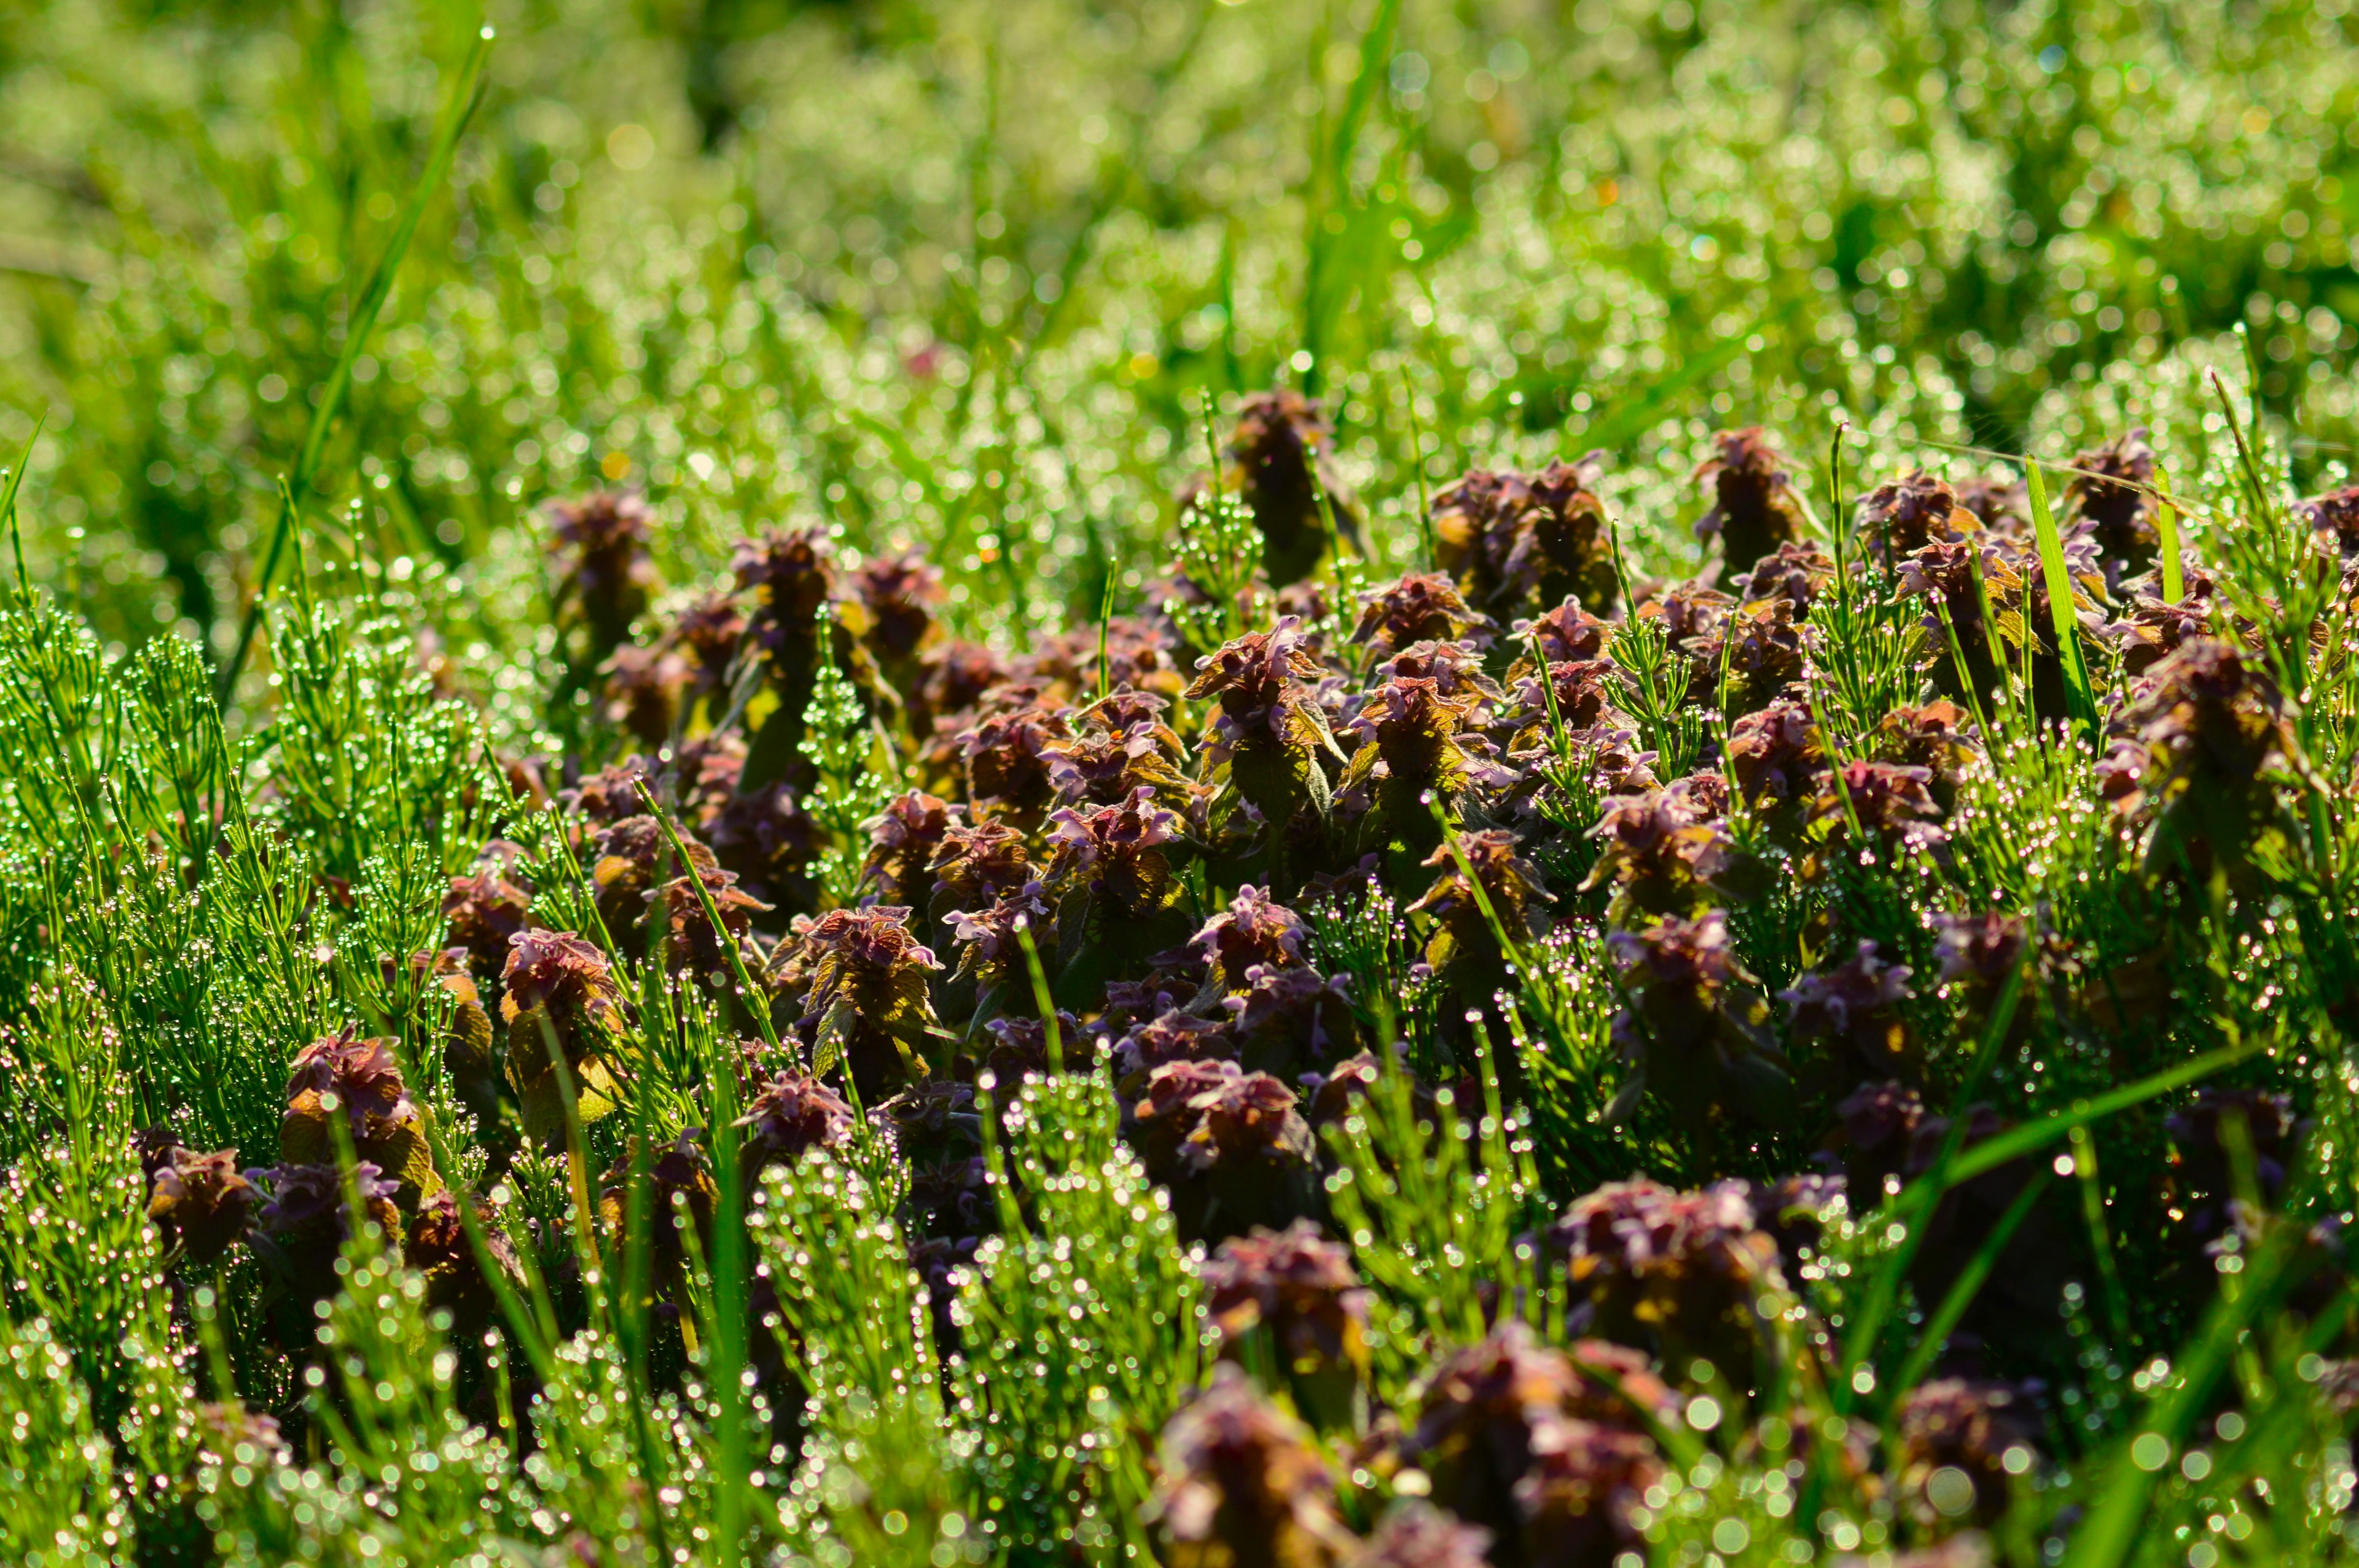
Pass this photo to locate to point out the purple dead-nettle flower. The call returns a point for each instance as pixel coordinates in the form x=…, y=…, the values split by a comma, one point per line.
x=1258, y=680
x=1139, y=655
x=1662, y=855
x=709, y=629
x=357, y=1076
x=610, y=794
x=1978, y=952
x=1678, y=1274
x=990, y=948
x=1691, y=615
x=788, y=573
x=624, y=861
x=1254, y=929
x=1754, y=653
x=481, y=910
x=1778, y=761
x=1415, y=743
x=682, y=1198
x=1510, y=884
x=953, y=677
x=1509, y=1442
x=1854, y=1009
x=1514, y=541
x=1289, y=1019
x=1116, y=853
x=902, y=841
x=1419, y=608
x=1019, y=1046
x=301, y=1231
x=1171, y=1036
x=1006, y=757
x=1300, y=1290
x=975, y=866
x=1692, y=1028
x=1942, y=573
x=1891, y=804
x=1418, y=1535
x=438, y=1249
x=1296, y=1283
x=1567, y=633
x=1278, y=462
x=1238, y=1483
x=1264, y=741
x=229, y=1432
x=1334, y=1096
x=692, y=946
x=1586, y=693
x=792, y=1114
x=1606, y=757
x=2150, y=629
x=1126, y=709
x=900, y=594
x=1702, y=795
x=1974, y=1429
x=1793, y=574
x=2214, y=738
x=1956, y=579
x=201, y=1203
x=1909, y=514
x=1794, y=1211
x=604, y=573
x=1230, y=1144
x=1454, y=668
x=1106, y=769
x=1753, y=508
x=765, y=838
x=645, y=687
x=357, y=1082
x=2001, y=502
x=2108, y=490
x=1935, y=735
x=704, y=774
x=869, y=1002
x=2085, y=573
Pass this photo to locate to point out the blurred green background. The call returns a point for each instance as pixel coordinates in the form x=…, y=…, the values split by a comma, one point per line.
x=956, y=274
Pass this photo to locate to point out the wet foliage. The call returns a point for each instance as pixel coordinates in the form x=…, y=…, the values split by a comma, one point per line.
x=933, y=898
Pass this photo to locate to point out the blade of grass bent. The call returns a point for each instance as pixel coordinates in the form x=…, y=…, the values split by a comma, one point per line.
x=2014, y=1143
x=2166, y=527
x=457, y=111
x=1917, y=1199
x=1969, y=1285
x=2059, y=578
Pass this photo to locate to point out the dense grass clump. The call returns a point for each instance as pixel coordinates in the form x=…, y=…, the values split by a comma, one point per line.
x=1549, y=790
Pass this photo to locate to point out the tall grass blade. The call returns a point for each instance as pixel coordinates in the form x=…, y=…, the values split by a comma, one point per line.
x=2058, y=578
x=458, y=109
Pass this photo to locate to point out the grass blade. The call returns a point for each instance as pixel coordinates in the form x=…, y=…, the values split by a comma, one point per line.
x=457, y=110
x=8, y=510
x=2166, y=526
x=1968, y=1285
x=2059, y=600
x=2017, y=1141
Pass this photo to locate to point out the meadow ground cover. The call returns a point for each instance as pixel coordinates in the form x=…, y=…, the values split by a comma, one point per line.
x=1373, y=783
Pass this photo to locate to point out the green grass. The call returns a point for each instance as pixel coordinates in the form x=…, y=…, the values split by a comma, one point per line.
x=1847, y=1061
